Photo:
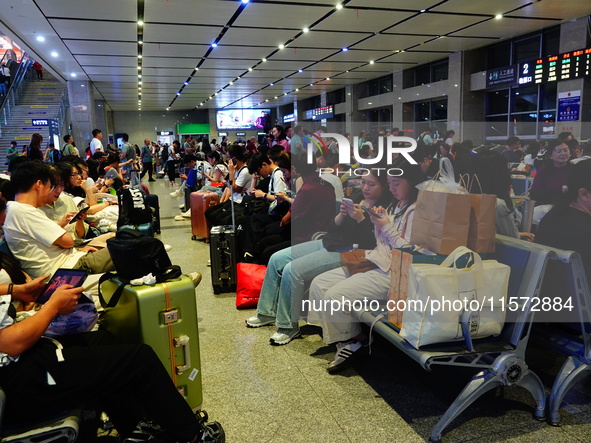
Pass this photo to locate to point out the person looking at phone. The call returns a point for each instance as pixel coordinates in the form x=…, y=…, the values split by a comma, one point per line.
x=392, y=230
x=38, y=243
x=290, y=269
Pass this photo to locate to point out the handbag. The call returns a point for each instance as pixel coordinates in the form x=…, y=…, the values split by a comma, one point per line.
x=354, y=262
x=249, y=281
x=135, y=255
x=439, y=296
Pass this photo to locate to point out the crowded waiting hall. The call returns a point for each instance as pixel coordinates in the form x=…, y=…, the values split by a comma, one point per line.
x=370, y=222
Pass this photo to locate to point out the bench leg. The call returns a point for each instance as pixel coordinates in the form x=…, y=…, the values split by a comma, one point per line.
x=533, y=384
x=572, y=371
x=481, y=383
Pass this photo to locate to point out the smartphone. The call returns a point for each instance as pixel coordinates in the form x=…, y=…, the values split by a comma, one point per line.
x=80, y=212
x=370, y=212
x=347, y=201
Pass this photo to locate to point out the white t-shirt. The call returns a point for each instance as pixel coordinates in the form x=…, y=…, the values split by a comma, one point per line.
x=5, y=320
x=96, y=145
x=64, y=204
x=241, y=178
x=336, y=183
x=30, y=236
x=277, y=184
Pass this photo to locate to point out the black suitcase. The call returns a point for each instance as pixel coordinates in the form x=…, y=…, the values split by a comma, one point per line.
x=222, y=250
x=152, y=202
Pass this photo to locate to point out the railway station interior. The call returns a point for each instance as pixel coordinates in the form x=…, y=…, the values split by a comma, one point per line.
x=166, y=70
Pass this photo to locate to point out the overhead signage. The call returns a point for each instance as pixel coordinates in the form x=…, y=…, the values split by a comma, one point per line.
x=222, y=134
x=40, y=122
x=501, y=76
x=566, y=66
x=164, y=133
x=288, y=118
x=320, y=113
x=240, y=133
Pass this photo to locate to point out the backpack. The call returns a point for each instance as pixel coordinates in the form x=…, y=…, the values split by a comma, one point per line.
x=135, y=255
x=132, y=208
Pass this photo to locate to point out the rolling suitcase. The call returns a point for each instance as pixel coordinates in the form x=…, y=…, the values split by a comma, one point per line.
x=163, y=316
x=153, y=203
x=200, y=202
x=222, y=250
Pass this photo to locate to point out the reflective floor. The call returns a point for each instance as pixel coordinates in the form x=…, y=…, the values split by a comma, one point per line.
x=262, y=393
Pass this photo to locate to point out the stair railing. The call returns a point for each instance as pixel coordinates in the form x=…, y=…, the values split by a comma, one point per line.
x=20, y=80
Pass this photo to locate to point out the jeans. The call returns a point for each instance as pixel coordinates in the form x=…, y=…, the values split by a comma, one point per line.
x=287, y=273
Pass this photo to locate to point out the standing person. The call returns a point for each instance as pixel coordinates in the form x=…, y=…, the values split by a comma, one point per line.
x=127, y=153
x=12, y=153
x=296, y=144
x=96, y=144
x=147, y=163
x=51, y=155
x=5, y=75
x=449, y=135
x=280, y=138
x=68, y=148
x=38, y=69
x=34, y=151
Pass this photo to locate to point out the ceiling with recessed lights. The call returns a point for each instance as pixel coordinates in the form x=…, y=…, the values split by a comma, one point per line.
x=182, y=54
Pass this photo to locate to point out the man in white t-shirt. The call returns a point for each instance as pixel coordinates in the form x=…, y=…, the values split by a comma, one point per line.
x=95, y=143
x=38, y=243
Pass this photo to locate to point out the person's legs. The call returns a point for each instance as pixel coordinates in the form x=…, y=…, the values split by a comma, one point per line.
x=127, y=380
x=333, y=296
x=96, y=262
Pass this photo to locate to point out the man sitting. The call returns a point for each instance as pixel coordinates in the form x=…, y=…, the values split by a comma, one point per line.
x=38, y=243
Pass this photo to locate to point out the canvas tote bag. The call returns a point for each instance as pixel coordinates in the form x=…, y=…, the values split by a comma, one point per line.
x=436, y=318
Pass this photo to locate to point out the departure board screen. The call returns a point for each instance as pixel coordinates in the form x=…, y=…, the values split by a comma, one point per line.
x=320, y=113
x=565, y=66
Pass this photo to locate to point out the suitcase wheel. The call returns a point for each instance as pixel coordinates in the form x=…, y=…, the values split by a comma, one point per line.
x=193, y=237
x=216, y=290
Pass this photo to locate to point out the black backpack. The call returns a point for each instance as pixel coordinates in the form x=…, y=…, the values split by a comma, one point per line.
x=135, y=255
x=133, y=209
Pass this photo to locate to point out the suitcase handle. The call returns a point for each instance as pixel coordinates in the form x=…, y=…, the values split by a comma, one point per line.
x=183, y=341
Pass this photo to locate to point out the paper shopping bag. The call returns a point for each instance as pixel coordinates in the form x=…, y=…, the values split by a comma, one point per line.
x=482, y=232
x=399, y=269
x=441, y=221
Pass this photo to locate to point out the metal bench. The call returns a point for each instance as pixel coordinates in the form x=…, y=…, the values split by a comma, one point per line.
x=569, y=331
x=499, y=361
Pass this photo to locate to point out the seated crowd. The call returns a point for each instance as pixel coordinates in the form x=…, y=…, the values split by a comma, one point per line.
x=293, y=216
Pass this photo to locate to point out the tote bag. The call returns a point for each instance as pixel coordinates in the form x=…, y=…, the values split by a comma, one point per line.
x=438, y=294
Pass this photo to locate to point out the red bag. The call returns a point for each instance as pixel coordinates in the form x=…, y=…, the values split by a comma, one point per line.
x=249, y=283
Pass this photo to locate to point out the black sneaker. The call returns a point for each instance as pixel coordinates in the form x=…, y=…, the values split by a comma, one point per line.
x=147, y=430
x=213, y=432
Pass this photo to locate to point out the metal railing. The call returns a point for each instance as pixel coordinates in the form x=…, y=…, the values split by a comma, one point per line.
x=20, y=80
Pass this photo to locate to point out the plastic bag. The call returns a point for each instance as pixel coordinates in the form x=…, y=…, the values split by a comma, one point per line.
x=444, y=181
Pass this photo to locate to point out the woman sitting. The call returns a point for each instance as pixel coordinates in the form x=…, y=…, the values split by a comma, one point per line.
x=392, y=230
x=550, y=181
x=290, y=269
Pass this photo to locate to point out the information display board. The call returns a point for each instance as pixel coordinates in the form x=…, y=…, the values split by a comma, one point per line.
x=320, y=113
x=566, y=66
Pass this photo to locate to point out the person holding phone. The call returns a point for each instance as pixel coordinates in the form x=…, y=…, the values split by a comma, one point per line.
x=290, y=269
x=392, y=228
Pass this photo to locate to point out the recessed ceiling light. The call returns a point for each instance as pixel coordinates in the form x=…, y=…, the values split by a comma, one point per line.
x=210, y=97
x=139, y=76
x=140, y=22
x=339, y=6
x=73, y=74
x=305, y=29
x=40, y=38
x=245, y=1
x=214, y=45
x=140, y=42
x=54, y=54
x=266, y=100
x=139, y=68
x=275, y=97
x=499, y=16
x=300, y=70
x=371, y=62
x=249, y=69
x=139, y=83
x=271, y=84
x=423, y=10
x=297, y=90
x=178, y=93
x=311, y=84
x=264, y=60
x=196, y=69
x=285, y=93
x=328, y=78
x=345, y=49
x=231, y=83
x=139, y=56
x=168, y=109
x=281, y=46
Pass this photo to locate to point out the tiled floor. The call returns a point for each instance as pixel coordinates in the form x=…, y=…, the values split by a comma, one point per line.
x=283, y=394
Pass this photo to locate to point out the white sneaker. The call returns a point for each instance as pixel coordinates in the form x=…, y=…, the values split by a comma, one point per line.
x=167, y=247
x=259, y=320
x=179, y=218
x=182, y=207
x=283, y=336
x=186, y=214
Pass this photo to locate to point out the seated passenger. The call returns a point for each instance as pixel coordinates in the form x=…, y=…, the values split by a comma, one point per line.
x=494, y=178
x=291, y=269
x=215, y=176
x=42, y=377
x=392, y=230
x=39, y=244
x=550, y=181
x=567, y=225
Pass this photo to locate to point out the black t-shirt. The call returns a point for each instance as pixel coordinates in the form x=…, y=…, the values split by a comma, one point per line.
x=567, y=228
